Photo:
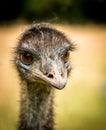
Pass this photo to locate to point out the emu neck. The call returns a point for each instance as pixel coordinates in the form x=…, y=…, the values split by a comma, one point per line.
x=36, y=107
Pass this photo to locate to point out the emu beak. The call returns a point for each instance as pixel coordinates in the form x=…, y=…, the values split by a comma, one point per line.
x=57, y=79
x=53, y=76
x=58, y=82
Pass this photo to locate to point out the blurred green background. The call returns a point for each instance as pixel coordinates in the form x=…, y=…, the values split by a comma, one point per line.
x=81, y=105
x=72, y=11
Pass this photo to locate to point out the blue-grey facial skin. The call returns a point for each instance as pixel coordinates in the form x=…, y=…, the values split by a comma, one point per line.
x=52, y=69
x=67, y=64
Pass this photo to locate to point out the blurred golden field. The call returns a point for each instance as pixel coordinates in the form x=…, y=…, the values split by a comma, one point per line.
x=82, y=104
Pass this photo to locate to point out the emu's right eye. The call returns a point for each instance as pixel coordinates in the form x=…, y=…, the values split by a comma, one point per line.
x=26, y=58
x=65, y=56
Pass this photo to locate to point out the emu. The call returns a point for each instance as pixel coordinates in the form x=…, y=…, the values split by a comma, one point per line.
x=42, y=60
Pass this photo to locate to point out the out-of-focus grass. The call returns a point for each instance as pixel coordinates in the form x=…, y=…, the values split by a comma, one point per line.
x=81, y=105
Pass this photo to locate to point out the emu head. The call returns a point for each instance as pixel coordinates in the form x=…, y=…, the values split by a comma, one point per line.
x=42, y=56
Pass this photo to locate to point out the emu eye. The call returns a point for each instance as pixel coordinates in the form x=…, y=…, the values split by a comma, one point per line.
x=26, y=57
x=65, y=56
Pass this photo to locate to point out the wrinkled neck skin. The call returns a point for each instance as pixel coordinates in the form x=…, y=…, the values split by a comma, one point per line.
x=36, y=111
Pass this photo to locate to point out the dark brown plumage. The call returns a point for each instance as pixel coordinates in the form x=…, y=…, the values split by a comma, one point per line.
x=42, y=60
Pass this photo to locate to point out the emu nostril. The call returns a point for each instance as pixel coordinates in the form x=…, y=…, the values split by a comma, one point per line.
x=50, y=76
x=62, y=74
